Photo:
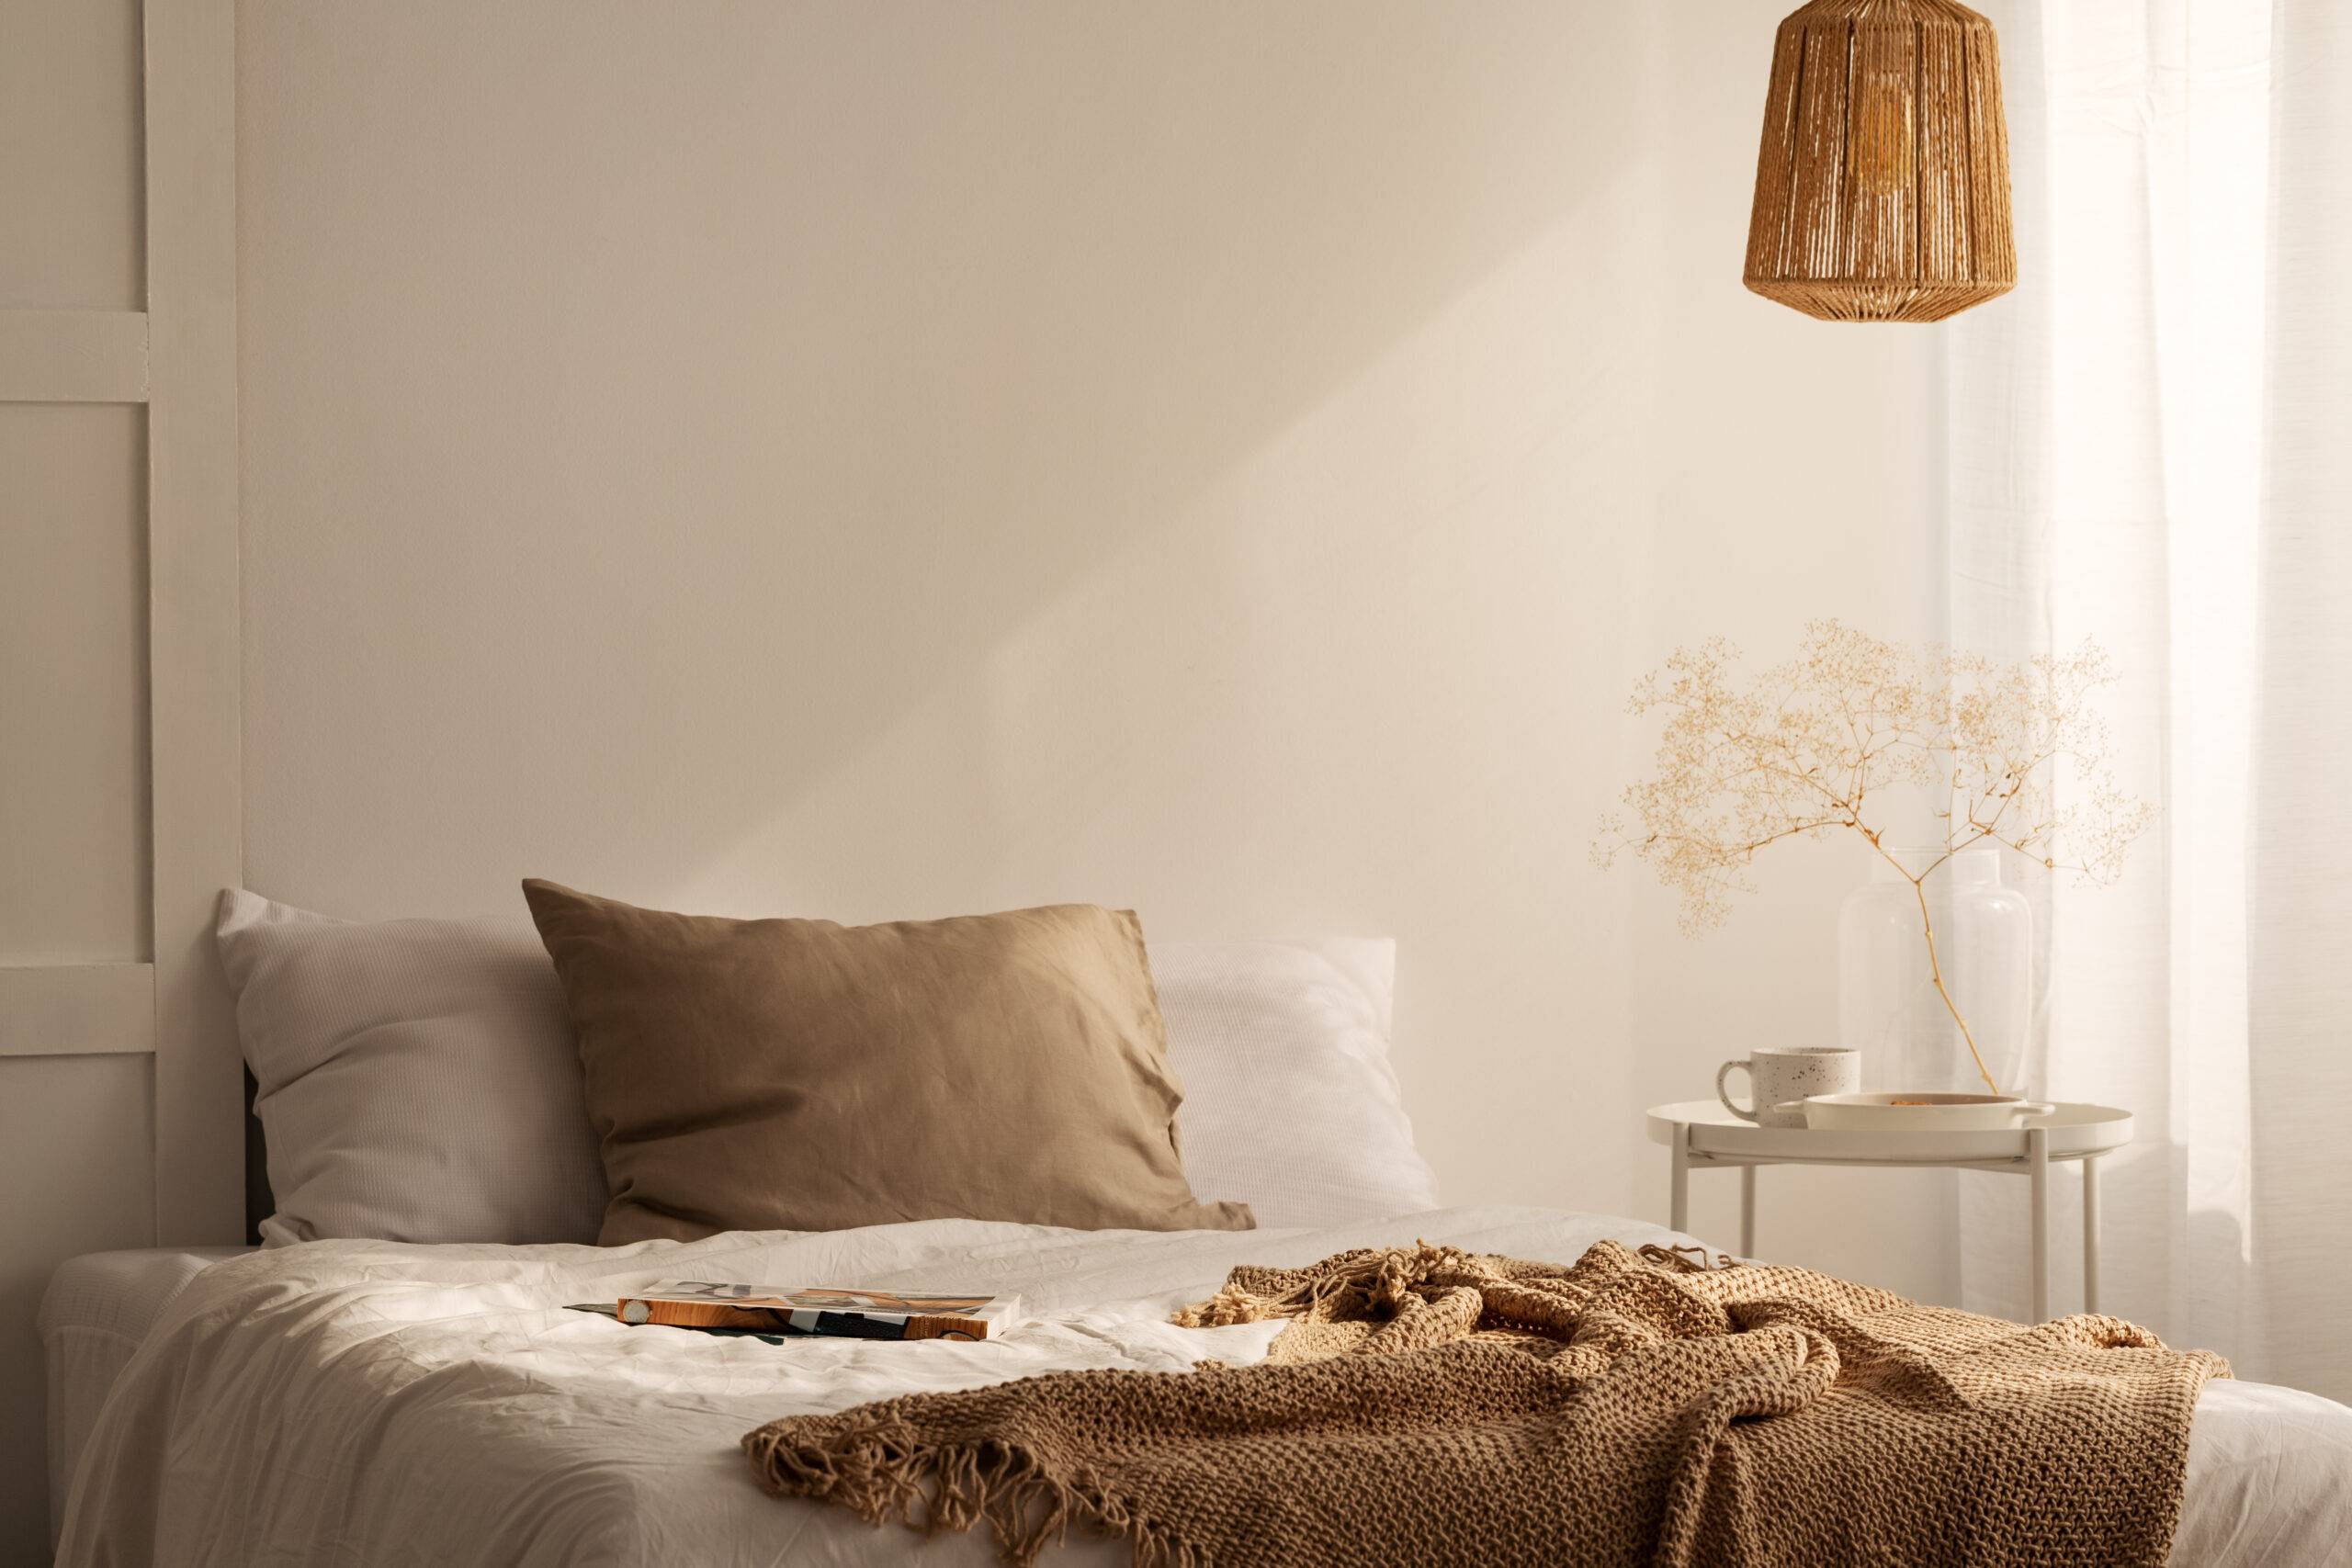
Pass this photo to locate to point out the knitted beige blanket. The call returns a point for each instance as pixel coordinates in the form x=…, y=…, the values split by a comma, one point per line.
x=1430, y=1407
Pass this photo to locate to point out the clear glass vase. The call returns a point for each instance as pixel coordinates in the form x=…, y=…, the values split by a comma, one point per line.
x=1888, y=1006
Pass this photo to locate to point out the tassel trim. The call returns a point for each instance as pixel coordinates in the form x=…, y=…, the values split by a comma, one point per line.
x=880, y=1471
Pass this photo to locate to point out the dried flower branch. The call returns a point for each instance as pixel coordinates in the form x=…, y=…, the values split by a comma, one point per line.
x=1831, y=740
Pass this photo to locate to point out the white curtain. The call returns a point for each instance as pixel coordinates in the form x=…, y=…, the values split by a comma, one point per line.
x=2150, y=443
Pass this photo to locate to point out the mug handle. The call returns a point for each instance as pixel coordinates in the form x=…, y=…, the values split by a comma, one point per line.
x=1724, y=1094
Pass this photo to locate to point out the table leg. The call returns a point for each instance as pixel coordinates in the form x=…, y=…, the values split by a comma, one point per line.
x=1678, y=1195
x=1748, y=1211
x=2090, y=1233
x=2037, y=1154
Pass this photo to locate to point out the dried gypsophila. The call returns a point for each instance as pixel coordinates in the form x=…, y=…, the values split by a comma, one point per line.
x=1825, y=742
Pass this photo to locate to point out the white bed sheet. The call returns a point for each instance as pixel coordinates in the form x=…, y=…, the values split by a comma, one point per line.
x=371, y=1403
x=97, y=1309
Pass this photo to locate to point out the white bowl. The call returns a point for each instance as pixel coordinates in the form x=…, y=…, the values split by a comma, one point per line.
x=1919, y=1112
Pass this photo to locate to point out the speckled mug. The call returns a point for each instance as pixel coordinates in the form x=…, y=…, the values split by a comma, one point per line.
x=1782, y=1075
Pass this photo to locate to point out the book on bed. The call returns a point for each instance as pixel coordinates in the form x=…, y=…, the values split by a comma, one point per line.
x=720, y=1308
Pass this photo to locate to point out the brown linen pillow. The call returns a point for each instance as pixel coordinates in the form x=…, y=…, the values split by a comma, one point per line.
x=799, y=1075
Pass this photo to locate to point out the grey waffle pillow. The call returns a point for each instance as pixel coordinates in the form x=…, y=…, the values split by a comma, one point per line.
x=418, y=1078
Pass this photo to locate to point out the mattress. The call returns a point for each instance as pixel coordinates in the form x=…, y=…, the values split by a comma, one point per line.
x=378, y=1404
x=96, y=1310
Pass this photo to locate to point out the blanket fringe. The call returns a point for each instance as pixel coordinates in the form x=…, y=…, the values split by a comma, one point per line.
x=881, y=1471
x=1671, y=1258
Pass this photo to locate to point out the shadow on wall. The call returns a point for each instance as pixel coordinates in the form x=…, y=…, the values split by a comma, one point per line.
x=887, y=460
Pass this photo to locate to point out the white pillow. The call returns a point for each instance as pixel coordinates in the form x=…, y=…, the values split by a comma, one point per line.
x=1289, y=1103
x=418, y=1078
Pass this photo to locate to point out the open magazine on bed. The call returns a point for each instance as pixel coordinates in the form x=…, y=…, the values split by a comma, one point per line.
x=720, y=1307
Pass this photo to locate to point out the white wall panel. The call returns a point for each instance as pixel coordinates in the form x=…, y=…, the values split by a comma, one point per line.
x=74, y=1010
x=77, y=1165
x=73, y=356
x=74, y=839
x=69, y=154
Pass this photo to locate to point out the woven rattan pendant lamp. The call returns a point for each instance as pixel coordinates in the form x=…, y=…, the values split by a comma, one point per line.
x=1882, y=189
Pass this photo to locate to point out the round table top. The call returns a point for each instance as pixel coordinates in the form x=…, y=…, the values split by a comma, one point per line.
x=2076, y=1130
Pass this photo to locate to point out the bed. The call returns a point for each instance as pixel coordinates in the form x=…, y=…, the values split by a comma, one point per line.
x=394, y=1378
x=375, y=1404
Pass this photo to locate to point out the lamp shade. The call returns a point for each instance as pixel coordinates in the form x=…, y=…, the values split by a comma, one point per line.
x=1882, y=188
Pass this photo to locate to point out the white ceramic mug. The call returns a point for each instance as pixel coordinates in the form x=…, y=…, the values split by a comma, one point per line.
x=1781, y=1076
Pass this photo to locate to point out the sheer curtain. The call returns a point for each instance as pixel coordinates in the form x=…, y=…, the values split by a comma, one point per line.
x=2150, y=443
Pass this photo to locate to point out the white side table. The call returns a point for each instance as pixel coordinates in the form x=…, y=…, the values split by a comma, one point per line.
x=1700, y=1132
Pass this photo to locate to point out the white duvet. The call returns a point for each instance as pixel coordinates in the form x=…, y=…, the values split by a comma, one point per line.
x=370, y=1404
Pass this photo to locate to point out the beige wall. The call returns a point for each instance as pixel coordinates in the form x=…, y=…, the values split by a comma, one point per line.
x=892, y=459
x=1801, y=477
